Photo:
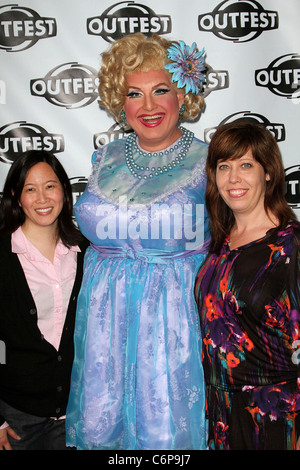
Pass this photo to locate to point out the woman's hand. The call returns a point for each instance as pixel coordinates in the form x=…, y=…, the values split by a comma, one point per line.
x=298, y=444
x=4, y=442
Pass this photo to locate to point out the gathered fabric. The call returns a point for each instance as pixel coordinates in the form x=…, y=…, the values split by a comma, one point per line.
x=137, y=379
x=249, y=301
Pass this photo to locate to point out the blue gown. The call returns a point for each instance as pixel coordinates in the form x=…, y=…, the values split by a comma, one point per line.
x=137, y=379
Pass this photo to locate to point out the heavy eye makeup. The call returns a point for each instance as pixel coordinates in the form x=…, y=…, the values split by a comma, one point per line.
x=161, y=91
x=157, y=91
x=133, y=94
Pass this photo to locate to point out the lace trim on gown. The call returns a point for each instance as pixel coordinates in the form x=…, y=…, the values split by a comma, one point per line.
x=196, y=177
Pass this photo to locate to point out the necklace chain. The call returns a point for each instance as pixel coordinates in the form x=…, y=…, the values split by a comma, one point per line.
x=131, y=146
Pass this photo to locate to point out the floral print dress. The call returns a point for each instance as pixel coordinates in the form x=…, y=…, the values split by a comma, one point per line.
x=249, y=306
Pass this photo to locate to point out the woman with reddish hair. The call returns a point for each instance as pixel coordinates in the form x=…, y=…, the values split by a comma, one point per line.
x=248, y=295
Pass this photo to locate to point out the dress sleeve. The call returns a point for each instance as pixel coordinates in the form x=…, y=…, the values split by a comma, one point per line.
x=293, y=287
x=294, y=296
x=97, y=163
x=94, y=156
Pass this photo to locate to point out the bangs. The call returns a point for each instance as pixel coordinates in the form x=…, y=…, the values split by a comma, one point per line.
x=230, y=144
x=235, y=152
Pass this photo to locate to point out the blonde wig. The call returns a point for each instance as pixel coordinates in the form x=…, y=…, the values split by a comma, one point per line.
x=137, y=53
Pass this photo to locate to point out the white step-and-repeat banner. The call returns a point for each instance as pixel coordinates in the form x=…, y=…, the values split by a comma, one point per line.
x=50, y=56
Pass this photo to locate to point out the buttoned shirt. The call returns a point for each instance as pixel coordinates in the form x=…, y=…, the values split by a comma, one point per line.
x=50, y=283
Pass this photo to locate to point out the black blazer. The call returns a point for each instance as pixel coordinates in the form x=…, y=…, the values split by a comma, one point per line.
x=35, y=378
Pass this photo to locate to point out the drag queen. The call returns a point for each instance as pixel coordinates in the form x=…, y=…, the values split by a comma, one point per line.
x=137, y=380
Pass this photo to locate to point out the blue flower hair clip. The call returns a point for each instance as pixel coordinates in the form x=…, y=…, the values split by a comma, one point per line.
x=187, y=66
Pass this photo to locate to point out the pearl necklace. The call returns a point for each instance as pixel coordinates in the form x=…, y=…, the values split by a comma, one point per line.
x=131, y=145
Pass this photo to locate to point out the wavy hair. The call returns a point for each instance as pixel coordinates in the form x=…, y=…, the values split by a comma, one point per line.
x=12, y=215
x=230, y=142
x=137, y=53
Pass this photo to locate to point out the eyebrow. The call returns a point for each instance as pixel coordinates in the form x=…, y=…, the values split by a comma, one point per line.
x=155, y=86
x=246, y=157
x=46, y=182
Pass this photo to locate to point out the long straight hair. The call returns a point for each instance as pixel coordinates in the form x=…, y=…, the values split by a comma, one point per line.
x=230, y=142
x=12, y=215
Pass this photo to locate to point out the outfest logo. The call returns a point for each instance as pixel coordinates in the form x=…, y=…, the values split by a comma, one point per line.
x=282, y=76
x=238, y=20
x=215, y=80
x=126, y=18
x=22, y=27
x=78, y=185
x=71, y=85
x=113, y=133
x=292, y=186
x=20, y=136
x=277, y=129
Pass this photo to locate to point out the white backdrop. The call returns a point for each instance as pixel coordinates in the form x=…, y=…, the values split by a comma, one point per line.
x=50, y=55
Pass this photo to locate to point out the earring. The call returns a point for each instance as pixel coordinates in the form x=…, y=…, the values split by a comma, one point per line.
x=182, y=109
x=123, y=116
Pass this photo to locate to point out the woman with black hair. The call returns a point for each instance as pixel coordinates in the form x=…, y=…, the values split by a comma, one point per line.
x=40, y=275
